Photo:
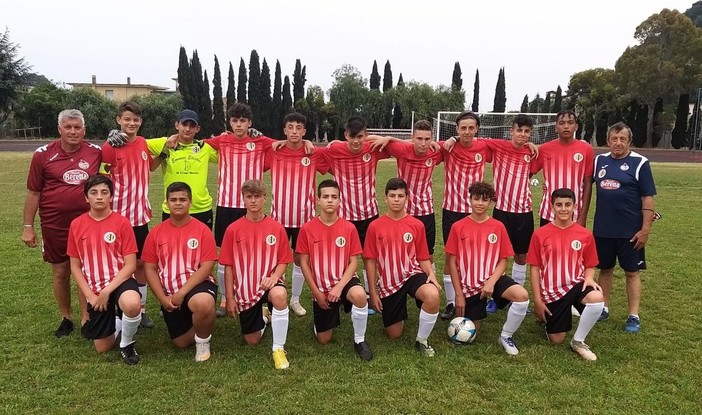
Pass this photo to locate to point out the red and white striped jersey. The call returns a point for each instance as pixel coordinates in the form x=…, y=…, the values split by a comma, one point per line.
x=179, y=251
x=562, y=256
x=416, y=171
x=397, y=246
x=478, y=247
x=511, y=170
x=330, y=248
x=463, y=167
x=240, y=159
x=129, y=168
x=253, y=250
x=564, y=166
x=356, y=175
x=101, y=246
x=293, y=177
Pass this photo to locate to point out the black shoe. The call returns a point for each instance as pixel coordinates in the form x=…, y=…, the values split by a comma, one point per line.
x=448, y=312
x=146, y=322
x=363, y=351
x=65, y=328
x=129, y=354
x=84, y=330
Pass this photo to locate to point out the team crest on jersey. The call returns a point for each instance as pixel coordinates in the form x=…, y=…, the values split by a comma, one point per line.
x=429, y=162
x=366, y=157
x=83, y=164
x=251, y=146
x=305, y=161
x=624, y=167
x=527, y=158
x=602, y=173
x=75, y=176
x=193, y=243
x=478, y=158
x=340, y=242
x=109, y=237
x=578, y=157
x=144, y=155
x=576, y=245
x=195, y=149
x=270, y=240
x=492, y=238
x=610, y=184
x=407, y=237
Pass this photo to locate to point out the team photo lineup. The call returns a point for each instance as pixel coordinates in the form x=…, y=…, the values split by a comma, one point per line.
x=226, y=255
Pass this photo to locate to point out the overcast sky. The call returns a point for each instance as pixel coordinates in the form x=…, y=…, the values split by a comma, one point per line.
x=540, y=43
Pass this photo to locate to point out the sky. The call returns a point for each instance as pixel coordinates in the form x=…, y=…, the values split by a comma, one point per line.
x=539, y=43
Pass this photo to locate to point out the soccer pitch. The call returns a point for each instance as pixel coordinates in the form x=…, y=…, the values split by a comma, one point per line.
x=655, y=371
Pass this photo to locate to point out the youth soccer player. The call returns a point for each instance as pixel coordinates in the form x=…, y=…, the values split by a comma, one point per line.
x=563, y=256
x=396, y=248
x=328, y=246
x=476, y=252
x=103, y=249
x=293, y=176
x=179, y=255
x=255, y=252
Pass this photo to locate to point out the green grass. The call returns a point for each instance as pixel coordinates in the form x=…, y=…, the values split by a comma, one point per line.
x=656, y=371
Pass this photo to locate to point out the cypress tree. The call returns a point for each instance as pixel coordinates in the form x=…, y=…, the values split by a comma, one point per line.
x=266, y=114
x=400, y=81
x=476, y=92
x=241, y=90
x=278, y=114
x=558, y=100
x=218, y=124
x=500, y=102
x=387, y=77
x=375, y=77
x=397, y=116
x=255, y=93
x=287, y=99
x=547, y=102
x=206, y=109
x=525, y=104
x=298, y=82
x=457, y=78
x=185, y=80
x=231, y=87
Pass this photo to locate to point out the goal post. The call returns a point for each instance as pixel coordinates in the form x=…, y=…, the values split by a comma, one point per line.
x=497, y=125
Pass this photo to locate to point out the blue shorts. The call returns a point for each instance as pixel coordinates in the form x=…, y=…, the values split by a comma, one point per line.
x=611, y=250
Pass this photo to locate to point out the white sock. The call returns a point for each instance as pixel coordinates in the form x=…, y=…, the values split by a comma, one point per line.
x=588, y=318
x=515, y=315
x=426, y=325
x=519, y=273
x=118, y=326
x=365, y=281
x=297, y=280
x=279, y=325
x=448, y=289
x=200, y=340
x=129, y=329
x=359, y=319
x=143, y=291
x=220, y=281
x=606, y=309
x=634, y=315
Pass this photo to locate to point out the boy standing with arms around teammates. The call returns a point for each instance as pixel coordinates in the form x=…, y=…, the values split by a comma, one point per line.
x=328, y=246
x=102, y=248
x=255, y=252
x=477, y=250
x=179, y=255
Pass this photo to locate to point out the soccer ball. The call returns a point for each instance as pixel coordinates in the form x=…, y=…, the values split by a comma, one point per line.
x=534, y=182
x=461, y=330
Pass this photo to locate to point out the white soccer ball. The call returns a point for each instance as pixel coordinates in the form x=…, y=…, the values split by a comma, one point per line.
x=461, y=330
x=534, y=182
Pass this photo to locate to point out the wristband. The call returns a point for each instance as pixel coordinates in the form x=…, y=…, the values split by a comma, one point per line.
x=28, y=226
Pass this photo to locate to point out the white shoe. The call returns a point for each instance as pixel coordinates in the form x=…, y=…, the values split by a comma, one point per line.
x=509, y=345
x=583, y=350
x=202, y=351
x=574, y=311
x=298, y=309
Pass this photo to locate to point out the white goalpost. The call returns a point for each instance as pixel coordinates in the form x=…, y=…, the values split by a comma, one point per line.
x=496, y=125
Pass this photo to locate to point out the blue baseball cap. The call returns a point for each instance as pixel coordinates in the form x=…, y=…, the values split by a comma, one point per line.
x=188, y=115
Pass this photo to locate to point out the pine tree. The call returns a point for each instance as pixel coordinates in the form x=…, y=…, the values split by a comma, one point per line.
x=298, y=82
x=218, y=124
x=287, y=99
x=255, y=94
x=231, y=87
x=457, y=78
x=185, y=80
x=206, y=127
x=500, y=102
x=266, y=114
x=547, y=102
x=525, y=105
x=400, y=81
x=558, y=100
x=375, y=77
x=241, y=90
x=387, y=77
x=476, y=92
x=278, y=114
x=396, y=116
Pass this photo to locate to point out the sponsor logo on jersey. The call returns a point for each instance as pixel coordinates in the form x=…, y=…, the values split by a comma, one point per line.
x=610, y=184
x=193, y=243
x=602, y=173
x=578, y=157
x=576, y=245
x=144, y=155
x=492, y=238
x=407, y=237
x=624, y=167
x=305, y=161
x=109, y=237
x=478, y=158
x=270, y=240
x=251, y=146
x=340, y=242
x=75, y=176
x=83, y=164
x=195, y=149
x=429, y=162
x=366, y=157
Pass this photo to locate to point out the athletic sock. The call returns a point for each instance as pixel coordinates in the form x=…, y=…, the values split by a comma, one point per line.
x=279, y=325
x=588, y=318
x=365, y=281
x=220, y=281
x=118, y=326
x=359, y=319
x=448, y=289
x=426, y=325
x=297, y=280
x=200, y=340
x=143, y=291
x=606, y=309
x=515, y=315
x=129, y=329
x=519, y=273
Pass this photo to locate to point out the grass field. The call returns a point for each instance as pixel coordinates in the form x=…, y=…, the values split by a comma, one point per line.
x=656, y=371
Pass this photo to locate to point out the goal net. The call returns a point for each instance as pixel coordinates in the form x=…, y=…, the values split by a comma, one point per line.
x=497, y=125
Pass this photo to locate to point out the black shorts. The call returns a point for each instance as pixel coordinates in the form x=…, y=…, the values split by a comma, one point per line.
x=395, y=305
x=362, y=227
x=561, y=318
x=180, y=321
x=225, y=217
x=520, y=227
x=140, y=233
x=204, y=217
x=251, y=320
x=475, y=306
x=292, y=236
x=448, y=218
x=102, y=323
x=430, y=229
x=543, y=222
x=611, y=250
x=325, y=320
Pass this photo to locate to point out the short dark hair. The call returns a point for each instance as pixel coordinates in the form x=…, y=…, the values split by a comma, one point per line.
x=523, y=120
x=130, y=106
x=396, y=184
x=563, y=113
x=179, y=187
x=422, y=125
x=295, y=117
x=239, y=110
x=482, y=190
x=563, y=193
x=466, y=115
x=355, y=125
x=325, y=184
x=97, y=180
x=620, y=126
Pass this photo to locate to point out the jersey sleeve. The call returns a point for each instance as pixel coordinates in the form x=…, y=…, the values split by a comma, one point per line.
x=590, y=259
x=35, y=178
x=72, y=247
x=589, y=162
x=108, y=159
x=420, y=243
x=370, y=251
x=301, y=245
x=284, y=251
x=266, y=142
x=506, y=250
x=452, y=241
x=214, y=142
x=208, y=252
x=321, y=162
x=156, y=145
x=268, y=159
x=534, y=254
x=148, y=254
x=538, y=163
x=396, y=148
x=646, y=185
x=354, y=241
x=211, y=152
x=129, y=244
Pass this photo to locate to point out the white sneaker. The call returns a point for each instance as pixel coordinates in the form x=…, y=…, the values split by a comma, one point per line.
x=202, y=351
x=574, y=311
x=583, y=350
x=298, y=309
x=509, y=345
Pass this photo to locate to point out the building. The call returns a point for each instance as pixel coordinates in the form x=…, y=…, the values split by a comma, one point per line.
x=122, y=92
